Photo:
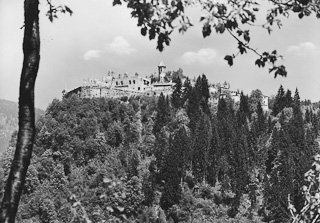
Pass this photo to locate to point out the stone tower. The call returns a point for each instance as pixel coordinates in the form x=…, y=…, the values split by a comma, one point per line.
x=161, y=69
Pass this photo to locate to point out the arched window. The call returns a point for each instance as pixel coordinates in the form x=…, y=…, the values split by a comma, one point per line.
x=129, y=81
x=116, y=82
x=138, y=88
x=134, y=81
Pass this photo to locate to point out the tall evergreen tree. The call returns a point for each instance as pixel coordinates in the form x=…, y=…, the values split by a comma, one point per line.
x=288, y=99
x=205, y=95
x=297, y=132
x=307, y=116
x=186, y=90
x=176, y=97
x=279, y=103
x=175, y=166
x=193, y=108
x=214, y=154
x=241, y=113
x=261, y=119
x=162, y=114
x=201, y=146
x=282, y=179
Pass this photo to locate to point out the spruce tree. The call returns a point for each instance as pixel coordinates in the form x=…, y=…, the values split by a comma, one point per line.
x=162, y=114
x=205, y=95
x=297, y=132
x=307, y=116
x=261, y=119
x=279, y=103
x=176, y=97
x=186, y=90
x=282, y=179
x=173, y=170
x=243, y=113
x=288, y=99
x=193, y=108
x=201, y=146
x=214, y=154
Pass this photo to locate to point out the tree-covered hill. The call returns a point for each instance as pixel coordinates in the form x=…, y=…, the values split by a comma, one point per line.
x=168, y=159
x=9, y=121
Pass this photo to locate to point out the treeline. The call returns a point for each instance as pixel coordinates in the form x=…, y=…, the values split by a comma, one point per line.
x=178, y=158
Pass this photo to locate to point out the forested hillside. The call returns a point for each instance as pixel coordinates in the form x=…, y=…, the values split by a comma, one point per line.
x=168, y=159
x=9, y=121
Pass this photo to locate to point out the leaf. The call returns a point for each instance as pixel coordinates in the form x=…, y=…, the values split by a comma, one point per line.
x=281, y=70
x=246, y=36
x=152, y=33
x=68, y=10
x=206, y=30
x=116, y=2
x=220, y=28
x=231, y=24
x=300, y=15
x=229, y=59
x=241, y=48
x=144, y=31
x=180, y=6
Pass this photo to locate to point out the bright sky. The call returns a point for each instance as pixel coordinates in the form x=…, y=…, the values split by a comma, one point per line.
x=99, y=38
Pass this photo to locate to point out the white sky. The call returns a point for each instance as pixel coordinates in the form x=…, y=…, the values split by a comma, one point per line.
x=99, y=38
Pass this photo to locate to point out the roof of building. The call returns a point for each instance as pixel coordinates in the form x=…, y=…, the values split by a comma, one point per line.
x=161, y=64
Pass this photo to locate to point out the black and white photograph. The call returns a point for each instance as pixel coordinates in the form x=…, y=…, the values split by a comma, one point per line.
x=160, y=111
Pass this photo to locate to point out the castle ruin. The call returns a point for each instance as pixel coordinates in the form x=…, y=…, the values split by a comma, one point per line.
x=117, y=86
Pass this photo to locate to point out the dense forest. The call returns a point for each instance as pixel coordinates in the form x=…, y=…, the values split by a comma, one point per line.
x=178, y=158
x=9, y=121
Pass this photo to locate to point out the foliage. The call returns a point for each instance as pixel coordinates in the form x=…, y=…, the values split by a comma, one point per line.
x=101, y=160
x=311, y=194
x=158, y=20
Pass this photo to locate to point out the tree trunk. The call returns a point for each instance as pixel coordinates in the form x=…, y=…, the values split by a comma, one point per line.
x=22, y=156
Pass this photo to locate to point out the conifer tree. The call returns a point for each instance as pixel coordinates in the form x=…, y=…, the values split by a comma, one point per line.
x=282, y=179
x=315, y=124
x=261, y=119
x=240, y=175
x=174, y=169
x=297, y=132
x=176, y=97
x=193, y=108
x=214, y=154
x=243, y=112
x=288, y=99
x=279, y=103
x=307, y=116
x=162, y=114
x=205, y=95
x=201, y=146
x=186, y=90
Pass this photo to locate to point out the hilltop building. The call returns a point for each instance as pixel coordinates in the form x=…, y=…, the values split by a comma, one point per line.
x=120, y=85
x=124, y=85
x=218, y=91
